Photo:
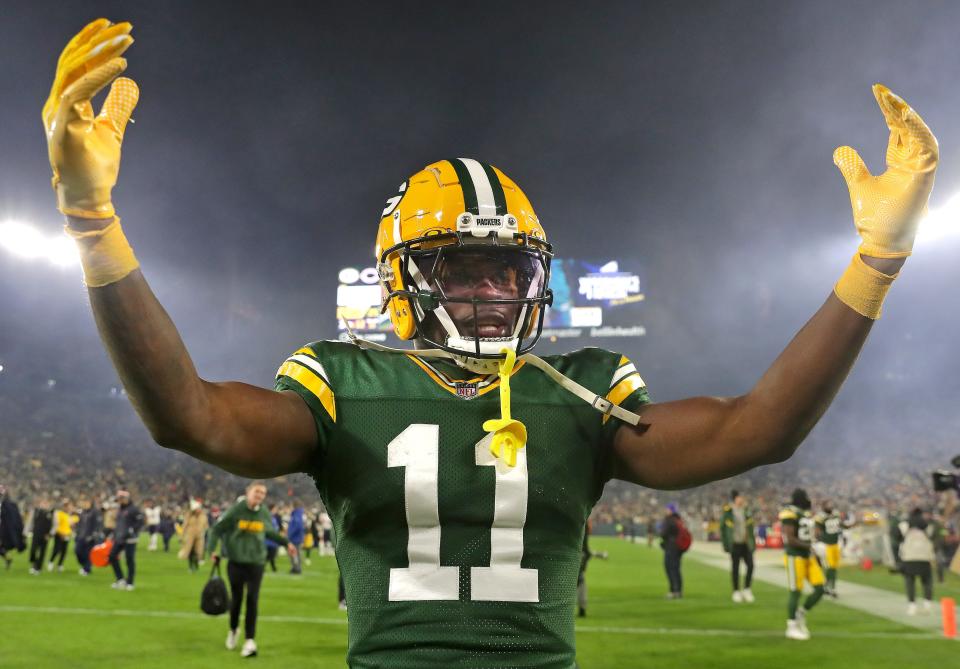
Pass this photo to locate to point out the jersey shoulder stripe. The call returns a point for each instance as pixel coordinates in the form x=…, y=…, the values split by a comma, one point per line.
x=307, y=371
x=625, y=382
x=788, y=514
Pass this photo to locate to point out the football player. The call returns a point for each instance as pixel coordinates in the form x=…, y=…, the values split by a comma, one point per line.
x=802, y=566
x=459, y=476
x=830, y=525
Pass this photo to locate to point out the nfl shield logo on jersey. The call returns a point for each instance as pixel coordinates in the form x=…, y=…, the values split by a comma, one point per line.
x=467, y=390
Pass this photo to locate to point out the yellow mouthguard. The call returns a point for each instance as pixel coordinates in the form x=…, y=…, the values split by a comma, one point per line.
x=509, y=435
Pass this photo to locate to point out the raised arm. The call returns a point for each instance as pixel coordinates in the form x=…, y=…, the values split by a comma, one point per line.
x=244, y=429
x=692, y=441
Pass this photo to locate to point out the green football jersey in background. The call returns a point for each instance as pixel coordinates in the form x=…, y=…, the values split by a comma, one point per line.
x=830, y=526
x=449, y=556
x=802, y=520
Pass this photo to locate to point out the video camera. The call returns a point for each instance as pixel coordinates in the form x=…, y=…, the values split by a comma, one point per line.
x=944, y=480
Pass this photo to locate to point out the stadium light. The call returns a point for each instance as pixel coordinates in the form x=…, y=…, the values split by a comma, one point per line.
x=940, y=222
x=26, y=241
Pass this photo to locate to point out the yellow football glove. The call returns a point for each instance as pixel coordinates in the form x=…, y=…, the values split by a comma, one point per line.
x=84, y=150
x=887, y=208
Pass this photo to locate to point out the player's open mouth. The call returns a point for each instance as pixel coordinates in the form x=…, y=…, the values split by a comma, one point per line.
x=488, y=326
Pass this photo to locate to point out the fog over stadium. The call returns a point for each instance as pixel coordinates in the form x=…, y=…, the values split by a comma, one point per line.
x=692, y=139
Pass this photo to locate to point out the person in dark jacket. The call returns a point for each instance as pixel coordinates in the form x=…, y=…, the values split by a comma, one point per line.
x=40, y=526
x=11, y=527
x=243, y=529
x=168, y=528
x=125, y=534
x=669, y=530
x=89, y=533
x=736, y=534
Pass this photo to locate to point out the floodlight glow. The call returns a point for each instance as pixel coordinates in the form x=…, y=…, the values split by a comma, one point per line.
x=26, y=241
x=940, y=222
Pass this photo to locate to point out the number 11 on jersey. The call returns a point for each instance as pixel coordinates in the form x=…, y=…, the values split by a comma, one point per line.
x=417, y=449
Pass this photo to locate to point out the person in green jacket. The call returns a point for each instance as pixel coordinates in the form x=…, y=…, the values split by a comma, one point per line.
x=736, y=533
x=243, y=528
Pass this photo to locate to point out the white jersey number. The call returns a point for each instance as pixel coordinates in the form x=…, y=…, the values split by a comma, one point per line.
x=417, y=449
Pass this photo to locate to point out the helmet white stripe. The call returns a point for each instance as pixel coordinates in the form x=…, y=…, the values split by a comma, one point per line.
x=486, y=206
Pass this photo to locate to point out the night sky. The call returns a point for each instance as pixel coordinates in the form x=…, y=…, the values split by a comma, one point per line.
x=693, y=138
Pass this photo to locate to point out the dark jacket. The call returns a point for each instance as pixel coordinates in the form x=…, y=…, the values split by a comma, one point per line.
x=11, y=527
x=42, y=523
x=129, y=522
x=669, y=530
x=90, y=525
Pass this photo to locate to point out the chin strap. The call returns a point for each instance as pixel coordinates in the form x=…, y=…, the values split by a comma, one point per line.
x=599, y=403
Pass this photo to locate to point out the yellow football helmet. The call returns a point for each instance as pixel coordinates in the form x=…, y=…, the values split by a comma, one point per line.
x=448, y=211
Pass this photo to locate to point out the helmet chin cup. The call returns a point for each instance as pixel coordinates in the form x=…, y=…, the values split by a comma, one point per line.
x=490, y=347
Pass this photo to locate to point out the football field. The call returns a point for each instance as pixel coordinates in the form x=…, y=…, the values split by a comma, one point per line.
x=63, y=620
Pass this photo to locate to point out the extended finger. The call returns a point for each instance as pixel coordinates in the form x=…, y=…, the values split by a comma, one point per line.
x=77, y=97
x=82, y=37
x=120, y=102
x=912, y=145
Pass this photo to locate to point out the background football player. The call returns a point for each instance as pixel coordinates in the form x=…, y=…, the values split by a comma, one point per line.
x=802, y=565
x=829, y=526
x=459, y=480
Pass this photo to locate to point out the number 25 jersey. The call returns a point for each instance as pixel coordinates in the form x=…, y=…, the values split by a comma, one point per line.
x=449, y=556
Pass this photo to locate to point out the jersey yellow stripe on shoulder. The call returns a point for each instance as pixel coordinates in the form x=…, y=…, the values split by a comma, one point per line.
x=313, y=380
x=624, y=387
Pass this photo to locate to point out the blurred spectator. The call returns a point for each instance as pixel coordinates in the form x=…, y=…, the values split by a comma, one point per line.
x=41, y=523
x=737, y=536
x=168, y=528
x=62, y=531
x=295, y=535
x=669, y=531
x=151, y=515
x=195, y=526
x=125, y=534
x=89, y=533
x=11, y=527
x=916, y=557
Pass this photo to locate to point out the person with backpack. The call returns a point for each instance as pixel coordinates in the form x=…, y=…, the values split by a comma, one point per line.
x=675, y=540
x=243, y=529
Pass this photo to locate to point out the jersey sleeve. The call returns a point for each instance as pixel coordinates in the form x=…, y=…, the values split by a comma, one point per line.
x=304, y=373
x=627, y=389
x=789, y=517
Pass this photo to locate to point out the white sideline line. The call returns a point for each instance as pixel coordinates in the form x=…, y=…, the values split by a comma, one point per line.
x=637, y=631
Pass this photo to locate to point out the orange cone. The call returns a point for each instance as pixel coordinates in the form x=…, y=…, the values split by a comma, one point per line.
x=949, y=609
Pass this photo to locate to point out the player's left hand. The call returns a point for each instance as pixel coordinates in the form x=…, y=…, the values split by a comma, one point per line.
x=887, y=208
x=291, y=550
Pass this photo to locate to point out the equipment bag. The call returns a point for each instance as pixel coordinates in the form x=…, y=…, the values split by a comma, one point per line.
x=214, y=599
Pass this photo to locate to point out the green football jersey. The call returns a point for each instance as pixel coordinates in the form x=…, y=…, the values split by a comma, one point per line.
x=449, y=556
x=803, y=521
x=830, y=526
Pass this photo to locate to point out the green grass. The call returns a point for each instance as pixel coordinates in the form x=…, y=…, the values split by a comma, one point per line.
x=629, y=622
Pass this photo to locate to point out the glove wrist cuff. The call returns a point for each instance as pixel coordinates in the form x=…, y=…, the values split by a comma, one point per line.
x=863, y=288
x=95, y=205
x=105, y=254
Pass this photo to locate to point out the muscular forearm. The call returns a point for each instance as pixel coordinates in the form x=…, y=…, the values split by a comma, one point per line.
x=151, y=360
x=794, y=392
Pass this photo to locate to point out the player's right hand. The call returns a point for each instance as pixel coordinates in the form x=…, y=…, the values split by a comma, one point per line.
x=84, y=150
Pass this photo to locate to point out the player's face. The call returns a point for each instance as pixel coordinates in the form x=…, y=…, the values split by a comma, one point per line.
x=255, y=495
x=483, y=274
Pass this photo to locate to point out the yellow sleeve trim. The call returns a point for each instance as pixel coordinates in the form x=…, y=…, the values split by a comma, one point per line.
x=311, y=381
x=625, y=387
x=787, y=515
